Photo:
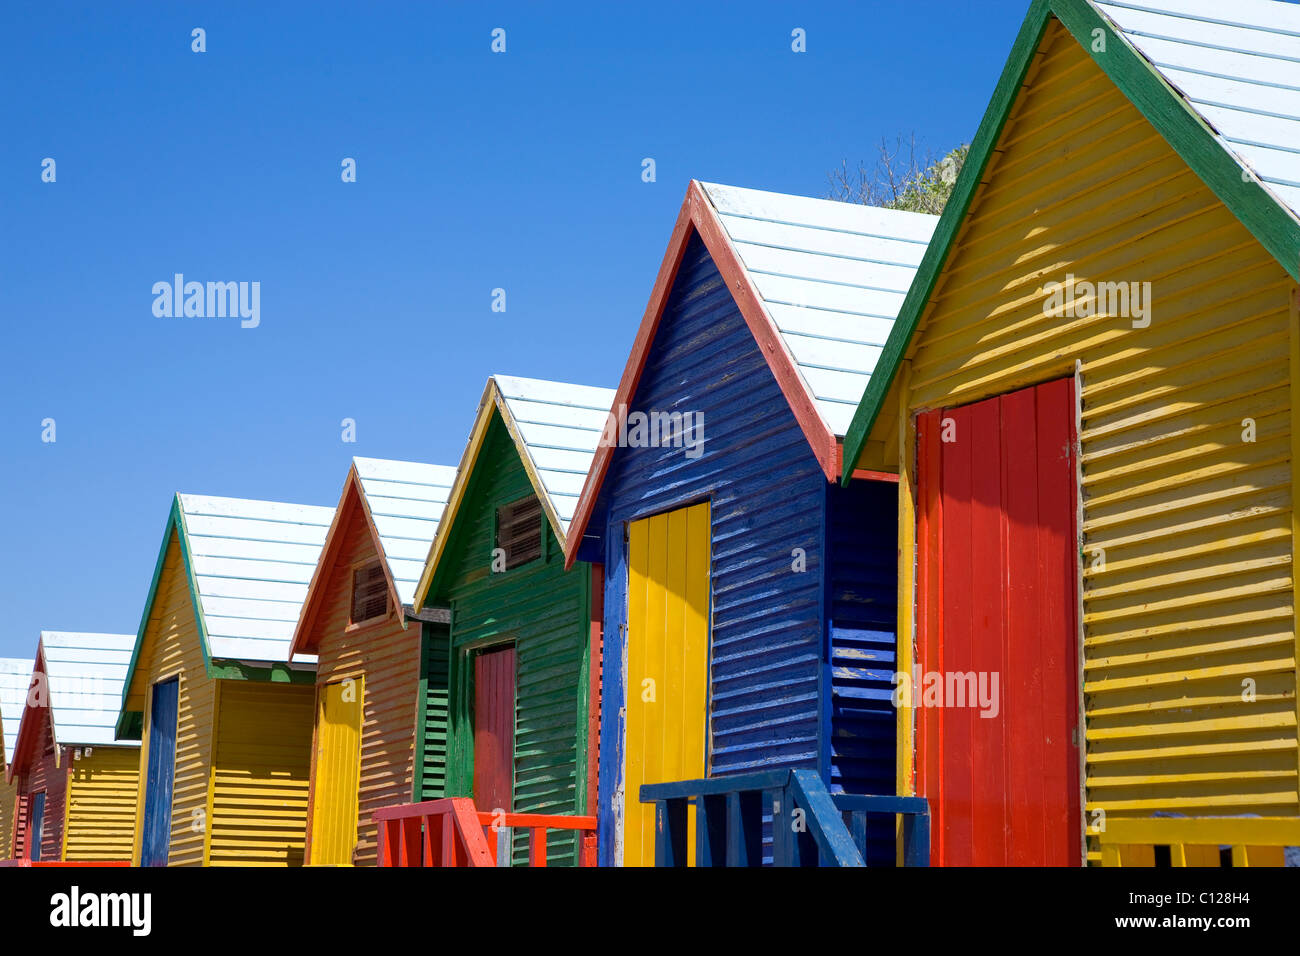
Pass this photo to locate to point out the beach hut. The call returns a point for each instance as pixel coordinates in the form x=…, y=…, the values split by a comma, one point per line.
x=378, y=664
x=743, y=632
x=15, y=676
x=1091, y=396
x=75, y=784
x=525, y=633
x=225, y=720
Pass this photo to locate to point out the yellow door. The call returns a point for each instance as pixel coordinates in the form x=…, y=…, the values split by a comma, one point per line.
x=338, y=772
x=667, y=665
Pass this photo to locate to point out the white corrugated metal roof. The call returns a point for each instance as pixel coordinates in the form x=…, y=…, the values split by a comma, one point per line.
x=405, y=500
x=85, y=674
x=15, y=676
x=560, y=426
x=831, y=276
x=252, y=562
x=1238, y=65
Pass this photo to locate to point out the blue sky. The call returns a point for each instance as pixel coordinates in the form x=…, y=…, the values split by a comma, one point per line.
x=475, y=171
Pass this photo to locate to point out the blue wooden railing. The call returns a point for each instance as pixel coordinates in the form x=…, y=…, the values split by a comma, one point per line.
x=729, y=821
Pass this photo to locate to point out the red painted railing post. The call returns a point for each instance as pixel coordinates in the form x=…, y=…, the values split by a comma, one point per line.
x=448, y=841
x=409, y=851
x=537, y=847
x=432, y=840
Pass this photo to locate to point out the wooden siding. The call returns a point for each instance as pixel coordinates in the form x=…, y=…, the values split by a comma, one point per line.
x=386, y=654
x=171, y=648
x=20, y=815
x=1194, y=596
x=544, y=611
x=259, y=779
x=767, y=496
x=432, y=718
x=45, y=773
x=8, y=808
x=102, y=791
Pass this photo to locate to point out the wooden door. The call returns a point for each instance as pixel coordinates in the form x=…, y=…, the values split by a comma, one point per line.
x=997, y=619
x=667, y=666
x=156, y=830
x=494, y=729
x=337, y=774
x=35, y=825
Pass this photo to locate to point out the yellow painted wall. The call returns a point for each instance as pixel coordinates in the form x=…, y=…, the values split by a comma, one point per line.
x=172, y=647
x=668, y=644
x=261, y=772
x=1195, y=594
x=8, y=797
x=102, y=796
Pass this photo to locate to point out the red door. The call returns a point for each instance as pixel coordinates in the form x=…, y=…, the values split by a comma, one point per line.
x=494, y=729
x=997, y=621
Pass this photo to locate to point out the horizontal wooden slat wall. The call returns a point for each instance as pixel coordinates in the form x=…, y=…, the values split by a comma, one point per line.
x=172, y=647
x=545, y=612
x=432, y=718
x=260, y=775
x=387, y=654
x=1189, y=665
x=43, y=774
x=8, y=803
x=102, y=792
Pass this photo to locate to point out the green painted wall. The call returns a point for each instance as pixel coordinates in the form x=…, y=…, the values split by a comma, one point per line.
x=545, y=613
x=431, y=728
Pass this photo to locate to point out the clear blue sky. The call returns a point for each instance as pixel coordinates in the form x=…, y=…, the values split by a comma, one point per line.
x=475, y=171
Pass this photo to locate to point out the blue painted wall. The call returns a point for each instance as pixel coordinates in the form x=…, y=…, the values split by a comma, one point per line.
x=770, y=667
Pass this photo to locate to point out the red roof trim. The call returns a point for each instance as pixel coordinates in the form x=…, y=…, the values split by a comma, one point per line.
x=698, y=216
x=27, y=729
x=353, y=497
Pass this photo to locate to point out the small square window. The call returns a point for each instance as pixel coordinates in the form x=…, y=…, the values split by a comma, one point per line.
x=519, y=531
x=369, y=593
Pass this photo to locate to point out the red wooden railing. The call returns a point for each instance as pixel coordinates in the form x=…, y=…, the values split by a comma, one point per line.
x=451, y=832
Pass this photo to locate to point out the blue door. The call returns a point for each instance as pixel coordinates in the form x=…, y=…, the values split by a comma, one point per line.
x=157, y=830
x=36, y=826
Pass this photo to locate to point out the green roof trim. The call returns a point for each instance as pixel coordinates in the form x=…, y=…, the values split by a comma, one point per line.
x=129, y=723
x=134, y=720
x=1172, y=116
x=274, y=673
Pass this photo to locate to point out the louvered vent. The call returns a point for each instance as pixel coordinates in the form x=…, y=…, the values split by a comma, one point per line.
x=369, y=592
x=519, y=531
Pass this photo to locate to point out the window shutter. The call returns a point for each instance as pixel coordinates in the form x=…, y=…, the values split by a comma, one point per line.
x=369, y=592
x=519, y=531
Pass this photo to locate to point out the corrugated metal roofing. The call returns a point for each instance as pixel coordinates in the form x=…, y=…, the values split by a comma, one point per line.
x=406, y=500
x=85, y=674
x=559, y=427
x=831, y=277
x=15, y=677
x=252, y=562
x=1238, y=65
